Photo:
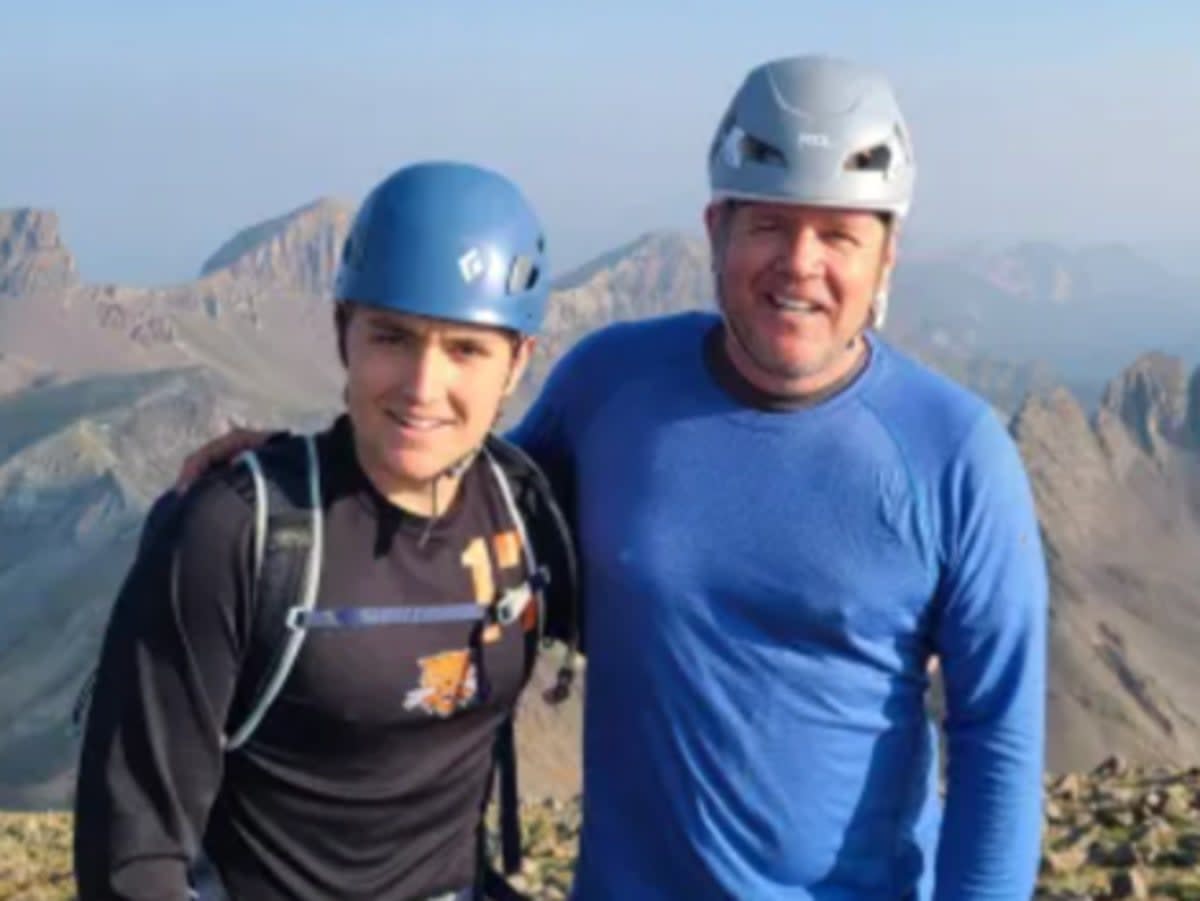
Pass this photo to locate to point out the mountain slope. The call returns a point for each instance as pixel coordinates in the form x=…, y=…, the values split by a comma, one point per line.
x=79, y=464
x=1119, y=501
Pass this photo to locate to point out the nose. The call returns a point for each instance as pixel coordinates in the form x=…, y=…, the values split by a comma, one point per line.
x=804, y=253
x=428, y=374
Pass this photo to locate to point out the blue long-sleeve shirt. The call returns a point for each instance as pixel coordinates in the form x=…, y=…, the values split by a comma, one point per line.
x=763, y=591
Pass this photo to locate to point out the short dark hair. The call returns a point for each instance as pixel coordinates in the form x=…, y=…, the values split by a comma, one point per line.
x=341, y=322
x=342, y=313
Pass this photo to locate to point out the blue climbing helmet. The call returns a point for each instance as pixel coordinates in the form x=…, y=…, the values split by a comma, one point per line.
x=448, y=240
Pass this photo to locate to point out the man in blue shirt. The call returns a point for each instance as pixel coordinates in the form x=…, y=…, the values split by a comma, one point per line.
x=782, y=520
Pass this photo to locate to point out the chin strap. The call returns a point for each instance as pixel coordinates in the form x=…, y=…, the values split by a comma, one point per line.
x=453, y=471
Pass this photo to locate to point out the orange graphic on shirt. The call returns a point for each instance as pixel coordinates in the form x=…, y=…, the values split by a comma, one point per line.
x=448, y=683
x=507, y=549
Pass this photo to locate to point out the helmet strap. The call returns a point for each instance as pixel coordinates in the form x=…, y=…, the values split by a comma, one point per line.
x=879, y=308
x=455, y=470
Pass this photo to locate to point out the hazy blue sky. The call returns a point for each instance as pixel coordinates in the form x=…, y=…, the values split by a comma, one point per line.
x=157, y=131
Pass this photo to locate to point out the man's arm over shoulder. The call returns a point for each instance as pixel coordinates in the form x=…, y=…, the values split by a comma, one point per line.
x=991, y=637
x=151, y=760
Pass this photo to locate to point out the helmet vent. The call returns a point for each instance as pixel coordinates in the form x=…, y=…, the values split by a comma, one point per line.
x=756, y=151
x=522, y=276
x=738, y=148
x=875, y=159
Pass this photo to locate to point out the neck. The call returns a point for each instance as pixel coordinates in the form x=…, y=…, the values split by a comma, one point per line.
x=428, y=498
x=848, y=361
x=433, y=498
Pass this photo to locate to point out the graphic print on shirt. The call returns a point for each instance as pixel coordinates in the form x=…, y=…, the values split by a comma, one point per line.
x=506, y=551
x=448, y=683
x=448, y=680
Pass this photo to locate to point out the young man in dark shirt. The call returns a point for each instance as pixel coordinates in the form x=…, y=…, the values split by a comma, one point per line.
x=367, y=775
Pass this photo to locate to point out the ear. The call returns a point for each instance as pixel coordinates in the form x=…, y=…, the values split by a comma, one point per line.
x=886, y=264
x=339, y=332
x=343, y=313
x=712, y=220
x=887, y=259
x=891, y=250
x=716, y=223
x=522, y=354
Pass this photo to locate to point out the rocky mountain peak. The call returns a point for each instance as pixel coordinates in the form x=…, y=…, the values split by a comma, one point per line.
x=297, y=251
x=648, y=263
x=1152, y=398
x=33, y=257
x=1056, y=408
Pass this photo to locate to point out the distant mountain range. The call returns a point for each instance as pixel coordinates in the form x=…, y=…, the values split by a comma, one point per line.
x=103, y=388
x=1083, y=313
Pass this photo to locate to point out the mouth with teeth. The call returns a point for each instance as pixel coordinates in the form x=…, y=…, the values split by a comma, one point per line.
x=411, y=423
x=787, y=304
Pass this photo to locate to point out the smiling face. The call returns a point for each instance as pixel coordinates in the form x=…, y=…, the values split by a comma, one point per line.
x=422, y=394
x=797, y=285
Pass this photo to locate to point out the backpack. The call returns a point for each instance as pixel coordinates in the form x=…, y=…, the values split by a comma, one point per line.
x=285, y=494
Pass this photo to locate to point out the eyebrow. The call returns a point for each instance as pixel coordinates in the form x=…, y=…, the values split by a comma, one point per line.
x=386, y=325
x=381, y=324
x=763, y=213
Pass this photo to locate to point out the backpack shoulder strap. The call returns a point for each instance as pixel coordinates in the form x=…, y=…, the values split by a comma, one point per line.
x=510, y=801
x=284, y=491
x=288, y=546
x=493, y=882
x=533, y=510
x=532, y=502
x=513, y=603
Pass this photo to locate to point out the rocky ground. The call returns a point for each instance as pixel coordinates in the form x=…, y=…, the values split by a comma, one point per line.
x=1122, y=832
x=1114, y=833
